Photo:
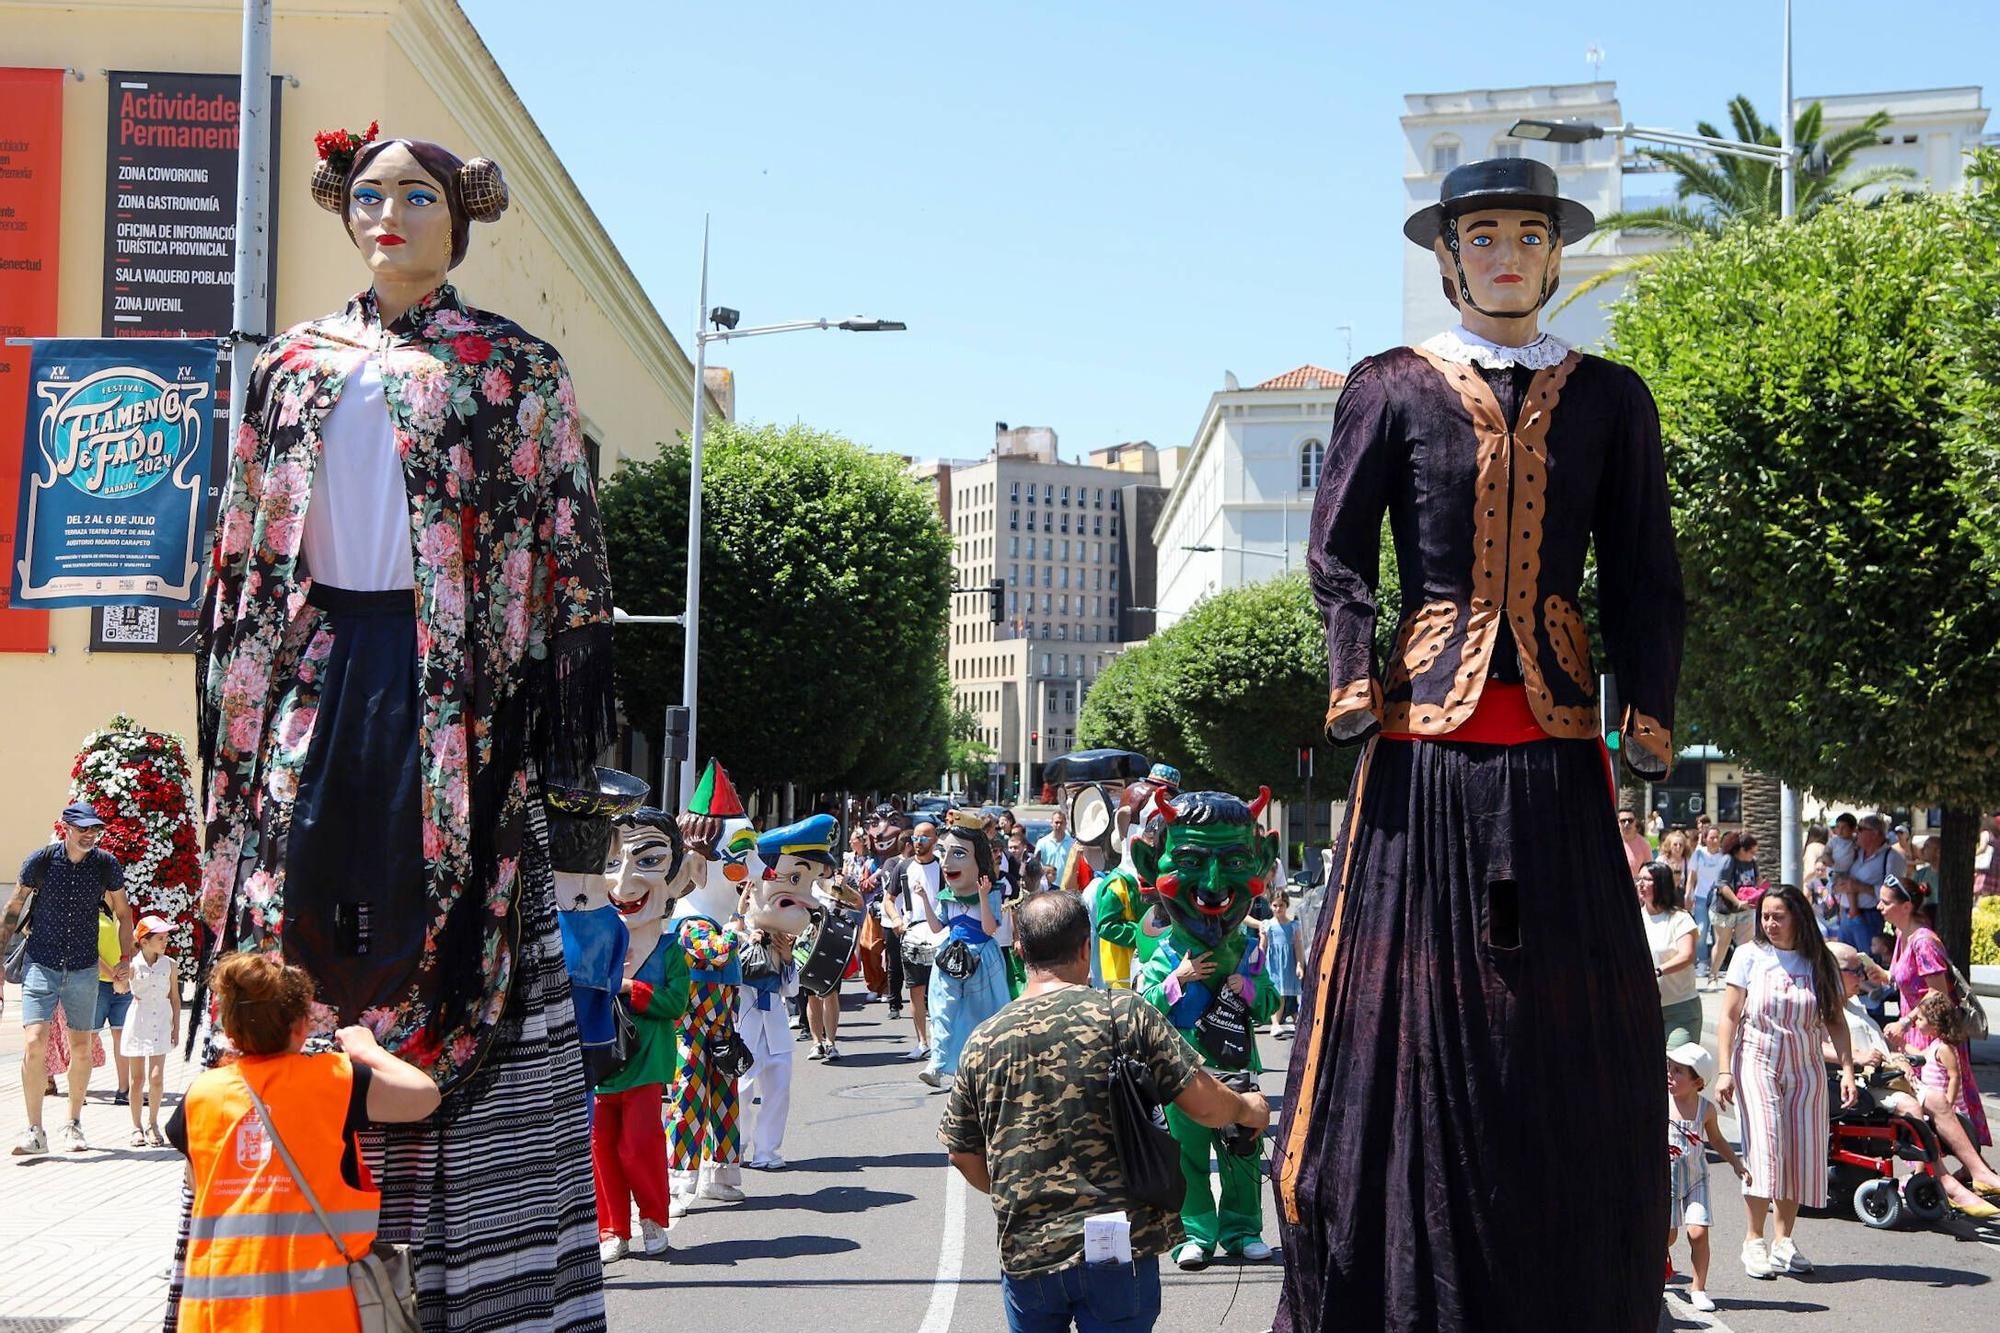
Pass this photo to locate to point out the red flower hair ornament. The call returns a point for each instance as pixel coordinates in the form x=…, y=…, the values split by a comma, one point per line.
x=336, y=158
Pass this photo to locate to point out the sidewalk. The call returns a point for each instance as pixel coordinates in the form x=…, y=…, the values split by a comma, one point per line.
x=88, y=1237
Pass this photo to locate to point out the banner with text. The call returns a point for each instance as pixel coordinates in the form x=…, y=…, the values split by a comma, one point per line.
x=30, y=226
x=114, y=473
x=170, y=255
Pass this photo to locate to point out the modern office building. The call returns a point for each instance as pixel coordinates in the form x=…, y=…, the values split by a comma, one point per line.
x=1071, y=547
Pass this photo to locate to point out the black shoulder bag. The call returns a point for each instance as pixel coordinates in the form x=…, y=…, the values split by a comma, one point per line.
x=15, y=965
x=1147, y=1152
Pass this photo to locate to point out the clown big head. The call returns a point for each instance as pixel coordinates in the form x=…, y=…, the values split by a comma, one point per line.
x=721, y=846
x=1214, y=860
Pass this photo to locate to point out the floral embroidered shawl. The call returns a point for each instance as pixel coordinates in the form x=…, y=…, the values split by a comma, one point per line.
x=513, y=602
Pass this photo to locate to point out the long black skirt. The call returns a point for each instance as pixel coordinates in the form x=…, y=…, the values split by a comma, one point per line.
x=1474, y=1137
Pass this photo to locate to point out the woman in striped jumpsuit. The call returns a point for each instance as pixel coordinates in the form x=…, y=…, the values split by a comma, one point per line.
x=1784, y=994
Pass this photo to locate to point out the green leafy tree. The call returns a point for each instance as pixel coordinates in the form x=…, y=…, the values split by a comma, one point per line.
x=966, y=756
x=1844, y=618
x=1711, y=194
x=1231, y=691
x=825, y=579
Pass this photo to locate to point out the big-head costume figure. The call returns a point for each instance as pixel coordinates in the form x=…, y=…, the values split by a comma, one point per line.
x=406, y=629
x=1478, y=971
x=1207, y=976
x=793, y=859
x=1118, y=897
x=646, y=871
x=704, y=1146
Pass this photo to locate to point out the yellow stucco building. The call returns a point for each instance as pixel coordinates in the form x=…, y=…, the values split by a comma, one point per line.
x=419, y=68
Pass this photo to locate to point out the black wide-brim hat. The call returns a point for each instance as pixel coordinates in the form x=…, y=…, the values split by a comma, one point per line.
x=1501, y=182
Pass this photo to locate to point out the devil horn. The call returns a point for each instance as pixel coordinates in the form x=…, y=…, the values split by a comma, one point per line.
x=1160, y=804
x=1257, y=806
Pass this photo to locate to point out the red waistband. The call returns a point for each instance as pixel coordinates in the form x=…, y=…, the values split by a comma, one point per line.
x=1502, y=718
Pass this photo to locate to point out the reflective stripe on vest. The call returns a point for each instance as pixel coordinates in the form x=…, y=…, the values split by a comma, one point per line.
x=236, y=1226
x=248, y=1286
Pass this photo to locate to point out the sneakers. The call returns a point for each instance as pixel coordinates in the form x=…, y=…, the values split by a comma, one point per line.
x=1190, y=1257
x=818, y=1051
x=678, y=1206
x=612, y=1248
x=122, y=1097
x=1785, y=1258
x=775, y=1162
x=33, y=1143
x=832, y=1054
x=652, y=1236
x=1757, y=1258
x=70, y=1138
x=720, y=1192
x=1700, y=1301
x=930, y=1078
x=918, y=1052
x=1283, y=1030
x=895, y=1013
x=1255, y=1252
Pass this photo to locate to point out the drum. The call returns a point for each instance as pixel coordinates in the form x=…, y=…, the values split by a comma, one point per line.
x=1090, y=814
x=826, y=949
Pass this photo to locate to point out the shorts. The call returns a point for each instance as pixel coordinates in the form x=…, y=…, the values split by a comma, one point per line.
x=111, y=1005
x=1690, y=1209
x=42, y=988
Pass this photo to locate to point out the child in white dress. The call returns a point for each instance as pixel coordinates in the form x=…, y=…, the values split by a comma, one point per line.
x=152, y=1025
x=1691, y=1129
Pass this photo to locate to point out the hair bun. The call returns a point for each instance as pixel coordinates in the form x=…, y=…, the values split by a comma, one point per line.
x=329, y=186
x=482, y=189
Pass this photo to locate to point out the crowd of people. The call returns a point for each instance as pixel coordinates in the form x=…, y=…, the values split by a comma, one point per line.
x=1800, y=1044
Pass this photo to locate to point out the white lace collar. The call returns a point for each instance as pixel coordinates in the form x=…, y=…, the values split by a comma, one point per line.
x=1463, y=347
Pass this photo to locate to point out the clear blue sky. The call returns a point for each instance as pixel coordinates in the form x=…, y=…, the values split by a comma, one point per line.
x=1087, y=211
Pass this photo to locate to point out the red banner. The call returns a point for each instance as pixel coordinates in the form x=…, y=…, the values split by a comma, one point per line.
x=30, y=224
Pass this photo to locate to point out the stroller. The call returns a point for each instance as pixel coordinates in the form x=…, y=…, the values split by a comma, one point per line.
x=1866, y=1143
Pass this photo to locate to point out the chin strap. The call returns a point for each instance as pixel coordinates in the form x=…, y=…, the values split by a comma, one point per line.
x=1465, y=288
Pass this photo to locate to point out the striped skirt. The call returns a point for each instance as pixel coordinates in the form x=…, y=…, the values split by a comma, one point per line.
x=1781, y=1093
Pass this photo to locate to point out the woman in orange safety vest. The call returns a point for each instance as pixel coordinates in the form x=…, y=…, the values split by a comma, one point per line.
x=257, y=1257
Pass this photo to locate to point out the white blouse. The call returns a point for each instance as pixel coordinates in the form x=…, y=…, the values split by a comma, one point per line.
x=357, y=531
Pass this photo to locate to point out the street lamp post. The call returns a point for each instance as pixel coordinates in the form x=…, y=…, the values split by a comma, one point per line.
x=1786, y=158
x=725, y=321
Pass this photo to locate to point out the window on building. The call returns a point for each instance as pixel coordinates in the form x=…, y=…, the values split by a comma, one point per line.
x=1100, y=497
x=1046, y=580
x=1014, y=546
x=1065, y=550
x=1504, y=147
x=1065, y=495
x=1045, y=664
x=1048, y=548
x=1311, y=454
x=593, y=453
x=1444, y=154
x=1099, y=583
x=1065, y=523
x=1014, y=492
x=1065, y=576
x=1014, y=520
x=1013, y=602
x=1114, y=502
x=1031, y=491
x=1114, y=588
x=1013, y=575
x=1097, y=525
x=1046, y=598
x=1569, y=155
x=1062, y=631
x=1114, y=527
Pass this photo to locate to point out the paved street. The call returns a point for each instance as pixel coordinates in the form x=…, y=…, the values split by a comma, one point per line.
x=867, y=1228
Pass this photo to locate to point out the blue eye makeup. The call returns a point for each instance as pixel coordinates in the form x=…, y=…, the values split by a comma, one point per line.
x=367, y=194
x=422, y=198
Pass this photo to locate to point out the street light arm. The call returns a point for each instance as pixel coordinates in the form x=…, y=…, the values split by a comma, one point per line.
x=853, y=325
x=1756, y=152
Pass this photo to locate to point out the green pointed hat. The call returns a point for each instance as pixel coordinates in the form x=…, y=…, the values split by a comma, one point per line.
x=715, y=794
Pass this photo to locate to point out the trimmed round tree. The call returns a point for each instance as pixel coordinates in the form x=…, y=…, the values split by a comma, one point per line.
x=1843, y=628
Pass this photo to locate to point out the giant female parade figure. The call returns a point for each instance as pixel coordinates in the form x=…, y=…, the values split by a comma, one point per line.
x=406, y=632
x=1472, y=1138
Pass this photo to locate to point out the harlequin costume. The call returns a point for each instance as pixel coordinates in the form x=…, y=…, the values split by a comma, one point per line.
x=628, y=1142
x=1207, y=905
x=704, y=1148
x=794, y=858
x=1479, y=973
x=388, y=668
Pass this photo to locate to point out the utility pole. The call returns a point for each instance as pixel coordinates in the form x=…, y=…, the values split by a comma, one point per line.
x=1789, y=848
x=253, y=222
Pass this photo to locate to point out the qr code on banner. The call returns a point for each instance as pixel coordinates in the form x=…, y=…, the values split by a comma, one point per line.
x=131, y=624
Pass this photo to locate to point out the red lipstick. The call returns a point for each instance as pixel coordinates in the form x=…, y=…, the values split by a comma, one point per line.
x=388, y=238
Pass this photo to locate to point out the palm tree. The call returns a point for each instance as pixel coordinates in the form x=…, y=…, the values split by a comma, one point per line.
x=1712, y=194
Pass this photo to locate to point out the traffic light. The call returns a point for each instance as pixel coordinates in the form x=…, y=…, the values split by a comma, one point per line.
x=1305, y=761
x=996, y=601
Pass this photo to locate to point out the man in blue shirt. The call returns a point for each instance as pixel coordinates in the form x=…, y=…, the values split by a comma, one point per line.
x=1053, y=846
x=1875, y=859
x=70, y=881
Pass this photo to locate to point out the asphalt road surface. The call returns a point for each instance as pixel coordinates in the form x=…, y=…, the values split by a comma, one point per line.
x=868, y=1228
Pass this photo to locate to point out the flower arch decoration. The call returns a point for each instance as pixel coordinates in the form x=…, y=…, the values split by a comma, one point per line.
x=137, y=780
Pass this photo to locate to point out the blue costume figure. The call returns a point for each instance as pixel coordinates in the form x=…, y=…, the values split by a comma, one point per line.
x=970, y=984
x=794, y=858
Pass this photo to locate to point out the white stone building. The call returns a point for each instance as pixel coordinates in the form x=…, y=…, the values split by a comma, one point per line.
x=1245, y=493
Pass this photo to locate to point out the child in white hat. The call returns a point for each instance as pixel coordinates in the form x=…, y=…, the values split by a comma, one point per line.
x=1691, y=1124
x=152, y=1025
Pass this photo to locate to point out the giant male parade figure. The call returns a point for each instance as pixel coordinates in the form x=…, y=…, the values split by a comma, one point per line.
x=406, y=634
x=1481, y=1023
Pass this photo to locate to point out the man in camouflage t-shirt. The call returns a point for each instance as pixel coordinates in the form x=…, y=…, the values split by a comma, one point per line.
x=1029, y=1121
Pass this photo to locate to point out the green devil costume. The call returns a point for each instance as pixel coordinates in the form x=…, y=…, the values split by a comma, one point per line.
x=1212, y=862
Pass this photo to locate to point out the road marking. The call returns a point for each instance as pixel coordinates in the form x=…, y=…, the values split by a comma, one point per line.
x=1679, y=1308
x=951, y=1257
